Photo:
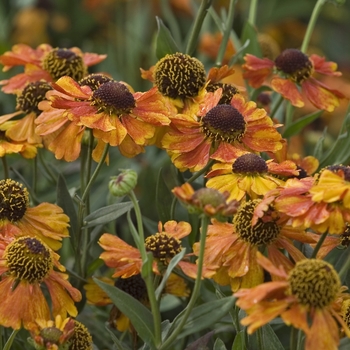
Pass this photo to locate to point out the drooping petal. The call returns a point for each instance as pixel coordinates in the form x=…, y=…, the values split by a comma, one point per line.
x=288, y=90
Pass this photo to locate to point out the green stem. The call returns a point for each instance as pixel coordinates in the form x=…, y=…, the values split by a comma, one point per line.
x=5, y=167
x=276, y=106
x=227, y=30
x=35, y=175
x=196, y=289
x=252, y=12
x=318, y=245
x=260, y=339
x=47, y=169
x=293, y=338
x=82, y=240
x=200, y=172
x=310, y=28
x=148, y=278
x=202, y=12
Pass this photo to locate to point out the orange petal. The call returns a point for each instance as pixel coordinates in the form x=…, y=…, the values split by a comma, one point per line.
x=288, y=90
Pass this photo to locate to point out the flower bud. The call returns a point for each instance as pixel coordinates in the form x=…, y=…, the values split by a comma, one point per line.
x=123, y=183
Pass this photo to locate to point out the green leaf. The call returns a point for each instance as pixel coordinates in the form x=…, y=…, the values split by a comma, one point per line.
x=219, y=345
x=344, y=344
x=268, y=339
x=250, y=33
x=173, y=262
x=164, y=197
x=205, y=315
x=201, y=343
x=339, y=152
x=117, y=343
x=165, y=43
x=107, y=214
x=300, y=124
x=239, y=342
x=10, y=340
x=65, y=201
x=140, y=317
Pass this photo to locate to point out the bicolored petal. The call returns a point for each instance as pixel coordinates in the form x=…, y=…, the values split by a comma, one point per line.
x=288, y=90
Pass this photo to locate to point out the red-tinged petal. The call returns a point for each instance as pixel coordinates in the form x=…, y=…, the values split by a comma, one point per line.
x=211, y=100
x=29, y=301
x=49, y=122
x=62, y=302
x=262, y=314
x=295, y=253
x=91, y=59
x=114, y=137
x=67, y=144
x=279, y=259
x=247, y=298
x=24, y=130
x=69, y=86
x=181, y=143
x=100, y=121
x=238, y=258
x=294, y=206
x=128, y=148
x=256, y=78
x=148, y=74
x=139, y=131
x=323, y=67
x=218, y=73
x=288, y=90
x=263, y=139
x=226, y=152
x=270, y=267
x=319, y=96
x=194, y=160
x=254, y=63
x=297, y=317
x=317, y=338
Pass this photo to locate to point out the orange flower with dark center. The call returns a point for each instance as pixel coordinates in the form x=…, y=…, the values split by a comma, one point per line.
x=231, y=248
x=45, y=221
x=115, y=114
x=309, y=297
x=293, y=69
x=217, y=128
x=45, y=63
x=26, y=263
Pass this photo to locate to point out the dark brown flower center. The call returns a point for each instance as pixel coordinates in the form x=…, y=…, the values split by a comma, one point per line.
x=113, y=98
x=31, y=95
x=134, y=286
x=163, y=246
x=62, y=62
x=295, y=64
x=28, y=259
x=249, y=163
x=228, y=91
x=224, y=123
x=265, y=231
x=94, y=81
x=179, y=75
x=13, y=200
x=81, y=338
x=314, y=282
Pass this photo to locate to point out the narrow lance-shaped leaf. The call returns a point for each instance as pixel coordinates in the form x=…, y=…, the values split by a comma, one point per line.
x=107, y=214
x=165, y=42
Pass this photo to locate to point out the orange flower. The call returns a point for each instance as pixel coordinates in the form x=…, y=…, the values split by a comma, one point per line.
x=231, y=248
x=322, y=205
x=193, y=139
x=46, y=221
x=205, y=200
x=309, y=297
x=116, y=115
x=8, y=146
x=247, y=174
x=165, y=244
x=45, y=63
x=293, y=69
x=23, y=129
x=26, y=263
